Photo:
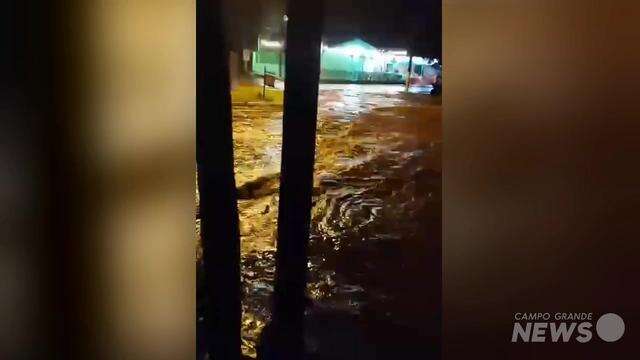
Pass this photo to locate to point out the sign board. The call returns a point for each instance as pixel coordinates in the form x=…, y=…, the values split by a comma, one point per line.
x=269, y=80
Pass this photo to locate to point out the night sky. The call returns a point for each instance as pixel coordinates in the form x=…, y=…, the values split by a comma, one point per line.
x=412, y=24
x=384, y=23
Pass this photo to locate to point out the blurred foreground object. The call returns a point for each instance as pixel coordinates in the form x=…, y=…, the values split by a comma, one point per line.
x=220, y=334
x=104, y=115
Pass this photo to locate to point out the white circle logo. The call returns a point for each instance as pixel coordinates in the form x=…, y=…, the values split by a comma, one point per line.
x=610, y=327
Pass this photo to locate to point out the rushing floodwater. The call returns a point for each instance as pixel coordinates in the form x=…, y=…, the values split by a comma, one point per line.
x=375, y=218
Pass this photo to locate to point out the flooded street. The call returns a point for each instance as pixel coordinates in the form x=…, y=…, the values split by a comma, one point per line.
x=375, y=228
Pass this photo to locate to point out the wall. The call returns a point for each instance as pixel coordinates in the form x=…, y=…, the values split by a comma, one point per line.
x=268, y=59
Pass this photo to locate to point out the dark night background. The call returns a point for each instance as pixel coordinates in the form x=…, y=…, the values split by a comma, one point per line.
x=414, y=24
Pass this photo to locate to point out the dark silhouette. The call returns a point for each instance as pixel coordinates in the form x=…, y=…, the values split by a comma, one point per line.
x=220, y=333
x=284, y=339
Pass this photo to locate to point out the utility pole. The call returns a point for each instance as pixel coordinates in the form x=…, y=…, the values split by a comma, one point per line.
x=285, y=338
x=217, y=188
x=409, y=71
x=283, y=49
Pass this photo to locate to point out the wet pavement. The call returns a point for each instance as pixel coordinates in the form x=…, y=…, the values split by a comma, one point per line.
x=374, y=251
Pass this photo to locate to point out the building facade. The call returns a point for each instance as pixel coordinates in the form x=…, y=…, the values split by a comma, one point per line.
x=353, y=61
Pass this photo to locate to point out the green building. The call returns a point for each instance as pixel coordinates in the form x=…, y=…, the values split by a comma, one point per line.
x=269, y=57
x=353, y=61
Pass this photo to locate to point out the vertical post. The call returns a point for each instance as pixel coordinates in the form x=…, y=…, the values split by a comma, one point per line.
x=216, y=183
x=283, y=49
x=264, y=83
x=296, y=180
x=245, y=59
x=409, y=71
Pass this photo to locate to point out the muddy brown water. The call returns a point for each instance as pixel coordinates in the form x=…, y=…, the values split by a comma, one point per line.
x=375, y=232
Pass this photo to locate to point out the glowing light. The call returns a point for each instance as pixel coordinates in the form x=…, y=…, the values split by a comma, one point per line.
x=353, y=50
x=397, y=52
x=270, y=43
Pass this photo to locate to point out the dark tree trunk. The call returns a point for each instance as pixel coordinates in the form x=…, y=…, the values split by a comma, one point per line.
x=218, y=207
x=285, y=338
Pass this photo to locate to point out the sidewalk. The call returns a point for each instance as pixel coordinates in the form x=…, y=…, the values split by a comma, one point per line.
x=246, y=94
